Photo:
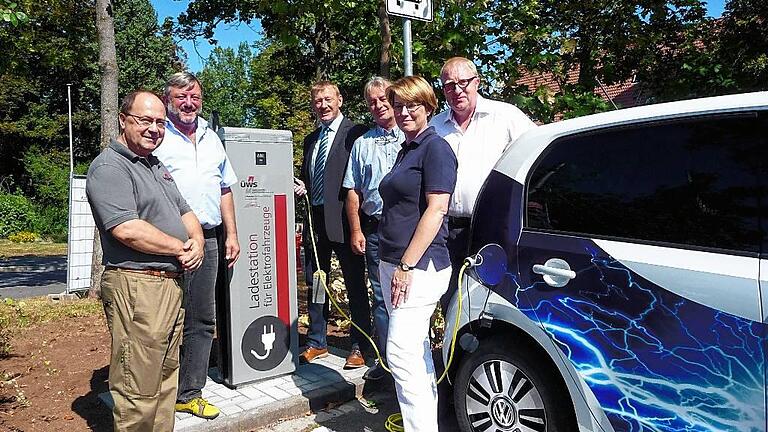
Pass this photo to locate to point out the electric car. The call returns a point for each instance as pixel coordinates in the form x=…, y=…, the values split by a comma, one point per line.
x=620, y=278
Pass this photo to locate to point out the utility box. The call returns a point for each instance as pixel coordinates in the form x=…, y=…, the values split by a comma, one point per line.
x=259, y=335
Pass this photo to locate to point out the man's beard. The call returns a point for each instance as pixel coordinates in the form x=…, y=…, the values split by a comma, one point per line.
x=177, y=114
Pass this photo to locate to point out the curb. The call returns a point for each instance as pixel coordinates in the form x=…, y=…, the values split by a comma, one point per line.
x=294, y=406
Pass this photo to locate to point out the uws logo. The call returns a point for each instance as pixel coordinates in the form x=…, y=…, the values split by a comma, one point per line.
x=250, y=183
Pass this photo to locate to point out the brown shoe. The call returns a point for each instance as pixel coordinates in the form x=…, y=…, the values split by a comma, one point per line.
x=354, y=359
x=312, y=353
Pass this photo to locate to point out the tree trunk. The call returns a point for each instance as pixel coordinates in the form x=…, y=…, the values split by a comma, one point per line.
x=105, y=26
x=322, y=48
x=386, y=40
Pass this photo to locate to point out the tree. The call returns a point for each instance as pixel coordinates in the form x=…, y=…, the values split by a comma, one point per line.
x=146, y=54
x=743, y=43
x=602, y=41
x=105, y=25
x=57, y=47
x=228, y=86
x=263, y=89
x=339, y=39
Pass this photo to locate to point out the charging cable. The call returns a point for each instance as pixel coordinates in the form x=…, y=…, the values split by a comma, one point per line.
x=394, y=422
x=328, y=291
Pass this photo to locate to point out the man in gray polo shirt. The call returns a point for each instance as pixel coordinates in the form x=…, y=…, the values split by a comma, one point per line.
x=149, y=236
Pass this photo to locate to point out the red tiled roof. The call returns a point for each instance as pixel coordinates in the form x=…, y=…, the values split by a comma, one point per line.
x=624, y=94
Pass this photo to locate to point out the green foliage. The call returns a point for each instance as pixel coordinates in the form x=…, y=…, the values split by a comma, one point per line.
x=9, y=14
x=146, y=56
x=581, y=45
x=23, y=237
x=60, y=46
x=48, y=180
x=17, y=214
x=743, y=43
x=228, y=87
x=57, y=47
x=263, y=89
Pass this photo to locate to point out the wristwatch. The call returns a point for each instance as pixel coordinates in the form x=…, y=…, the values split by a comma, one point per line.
x=405, y=267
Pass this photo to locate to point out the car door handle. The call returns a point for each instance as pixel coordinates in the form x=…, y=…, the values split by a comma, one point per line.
x=556, y=272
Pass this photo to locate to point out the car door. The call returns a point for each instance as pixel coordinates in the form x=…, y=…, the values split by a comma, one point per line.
x=639, y=256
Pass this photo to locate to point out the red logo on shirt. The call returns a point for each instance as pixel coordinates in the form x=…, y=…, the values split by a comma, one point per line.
x=167, y=176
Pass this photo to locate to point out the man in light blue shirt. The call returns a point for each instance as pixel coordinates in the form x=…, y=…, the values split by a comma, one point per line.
x=373, y=155
x=195, y=157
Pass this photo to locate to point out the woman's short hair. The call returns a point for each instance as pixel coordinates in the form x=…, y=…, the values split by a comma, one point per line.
x=413, y=89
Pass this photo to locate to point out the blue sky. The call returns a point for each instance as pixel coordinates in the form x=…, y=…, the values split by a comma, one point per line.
x=230, y=35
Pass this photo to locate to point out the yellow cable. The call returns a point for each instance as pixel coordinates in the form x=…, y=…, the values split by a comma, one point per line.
x=330, y=295
x=394, y=422
x=455, y=325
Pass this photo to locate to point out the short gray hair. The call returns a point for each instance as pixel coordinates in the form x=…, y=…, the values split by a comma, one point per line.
x=375, y=82
x=181, y=80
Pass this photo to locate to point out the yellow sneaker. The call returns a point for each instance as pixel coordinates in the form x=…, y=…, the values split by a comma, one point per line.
x=198, y=407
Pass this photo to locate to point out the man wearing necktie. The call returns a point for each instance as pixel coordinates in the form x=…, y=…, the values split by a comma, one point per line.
x=326, y=153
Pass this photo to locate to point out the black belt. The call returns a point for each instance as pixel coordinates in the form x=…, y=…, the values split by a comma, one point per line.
x=209, y=233
x=151, y=272
x=458, y=222
x=371, y=219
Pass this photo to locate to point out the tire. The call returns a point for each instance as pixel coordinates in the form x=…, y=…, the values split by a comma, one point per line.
x=538, y=402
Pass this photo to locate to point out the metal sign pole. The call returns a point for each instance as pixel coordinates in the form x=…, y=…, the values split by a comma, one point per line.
x=407, y=55
x=71, y=149
x=409, y=9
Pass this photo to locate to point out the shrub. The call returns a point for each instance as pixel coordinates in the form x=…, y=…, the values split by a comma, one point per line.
x=48, y=177
x=52, y=221
x=17, y=214
x=23, y=237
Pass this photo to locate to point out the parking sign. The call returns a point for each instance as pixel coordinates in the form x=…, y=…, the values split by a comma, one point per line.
x=415, y=9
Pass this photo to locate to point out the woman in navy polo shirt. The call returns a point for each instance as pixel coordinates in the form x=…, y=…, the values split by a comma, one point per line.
x=415, y=266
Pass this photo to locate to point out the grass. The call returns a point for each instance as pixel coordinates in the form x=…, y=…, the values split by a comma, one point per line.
x=16, y=315
x=38, y=248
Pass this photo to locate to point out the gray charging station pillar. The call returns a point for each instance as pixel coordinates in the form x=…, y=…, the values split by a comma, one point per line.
x=260, y=332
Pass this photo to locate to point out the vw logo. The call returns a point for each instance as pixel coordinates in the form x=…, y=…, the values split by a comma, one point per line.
x=503, y=412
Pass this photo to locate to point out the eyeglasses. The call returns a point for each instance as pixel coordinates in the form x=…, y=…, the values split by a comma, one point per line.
x=146, y=122
x=451, y=85
x=411, y=108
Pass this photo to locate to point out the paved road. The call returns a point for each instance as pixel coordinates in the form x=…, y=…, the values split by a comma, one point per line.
x=22, y=277
x=367, y=415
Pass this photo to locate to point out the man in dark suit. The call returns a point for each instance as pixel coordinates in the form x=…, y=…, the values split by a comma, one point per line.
x=326, y=153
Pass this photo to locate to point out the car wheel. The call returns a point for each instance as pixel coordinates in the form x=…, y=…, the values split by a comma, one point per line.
x=502, y=388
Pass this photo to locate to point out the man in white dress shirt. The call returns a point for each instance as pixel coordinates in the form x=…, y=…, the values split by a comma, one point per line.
x=478, y=130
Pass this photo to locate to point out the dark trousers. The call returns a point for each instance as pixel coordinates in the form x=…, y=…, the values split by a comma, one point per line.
x=458, y=245
x=199, y=324
x=353, y=271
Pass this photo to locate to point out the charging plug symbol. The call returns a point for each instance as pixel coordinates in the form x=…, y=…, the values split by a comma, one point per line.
x=268, y=339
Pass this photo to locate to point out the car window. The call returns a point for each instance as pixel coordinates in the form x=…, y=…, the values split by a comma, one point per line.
x=689, y=182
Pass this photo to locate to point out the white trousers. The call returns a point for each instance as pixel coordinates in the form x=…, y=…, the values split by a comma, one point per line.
x=408, y=349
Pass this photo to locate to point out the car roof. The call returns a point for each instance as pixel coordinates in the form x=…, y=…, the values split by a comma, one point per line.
x=517, y=160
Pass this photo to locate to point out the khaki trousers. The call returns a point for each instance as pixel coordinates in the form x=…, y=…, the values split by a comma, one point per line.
x=145, y=320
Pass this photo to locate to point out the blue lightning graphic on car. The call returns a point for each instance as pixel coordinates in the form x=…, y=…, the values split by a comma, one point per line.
x=661, y=364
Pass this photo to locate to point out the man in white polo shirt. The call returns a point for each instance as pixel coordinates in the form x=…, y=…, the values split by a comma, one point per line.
x=478, y=130
x=195, y=157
